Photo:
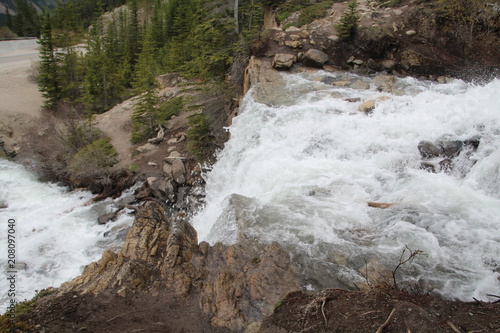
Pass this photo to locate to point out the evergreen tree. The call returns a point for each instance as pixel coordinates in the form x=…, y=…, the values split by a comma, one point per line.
x=348, y=24
x=48, y=78
x=145, y=115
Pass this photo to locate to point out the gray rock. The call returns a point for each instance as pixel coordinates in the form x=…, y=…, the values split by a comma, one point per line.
x=367, y=107
x=388, y=83
x=174, y=155
x=315, y=58
x=446, y=165
x=473, y=142
x=105, y=218
x=145, y=148
x=389, y=64
x=283, y=61
x=428, y=149
x=178, y=171
x=451, y=148
x=428, y=167
x=360, y=85
x=167, y=170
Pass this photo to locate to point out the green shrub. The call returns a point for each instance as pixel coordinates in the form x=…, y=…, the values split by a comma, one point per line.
x=313, y=12
x=309, y=11
x=286, y=9
x=21, y=308
x=390, y=3
x=80, y=134
x=348, y=24
x=170, y=108
x=93, y=160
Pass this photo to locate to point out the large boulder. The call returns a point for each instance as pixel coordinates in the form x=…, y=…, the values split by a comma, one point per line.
x=314, y=58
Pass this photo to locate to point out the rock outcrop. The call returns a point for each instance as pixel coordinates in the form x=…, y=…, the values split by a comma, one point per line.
x=235, y=285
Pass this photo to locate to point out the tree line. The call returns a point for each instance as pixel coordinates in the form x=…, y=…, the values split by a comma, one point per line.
x=127, y=48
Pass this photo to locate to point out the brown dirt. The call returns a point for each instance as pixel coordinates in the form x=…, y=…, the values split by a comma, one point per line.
x=332, y=310
x=337, y=310
x=142, y=312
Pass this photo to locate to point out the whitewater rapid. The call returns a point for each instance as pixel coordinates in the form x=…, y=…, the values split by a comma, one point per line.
x=310, y=165
x=56, y=232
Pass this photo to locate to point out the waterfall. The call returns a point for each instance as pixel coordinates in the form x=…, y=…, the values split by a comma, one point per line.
x=55, y=232
x=300, y=170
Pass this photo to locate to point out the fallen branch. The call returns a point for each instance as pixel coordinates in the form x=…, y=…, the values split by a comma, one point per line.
x=387, y=321
x=477, y=301
x=117, y=316
x=381, y=205
x=323, y=313
x=453, y=327
x=497, y=301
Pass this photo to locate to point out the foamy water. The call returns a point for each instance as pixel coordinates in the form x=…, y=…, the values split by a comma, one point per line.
x=310, y=169
x=56, y=232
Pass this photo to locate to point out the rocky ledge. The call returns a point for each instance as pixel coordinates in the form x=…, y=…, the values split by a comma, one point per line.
x=228, y=286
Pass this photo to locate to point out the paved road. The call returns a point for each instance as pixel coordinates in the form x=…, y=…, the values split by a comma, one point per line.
x=18, y=50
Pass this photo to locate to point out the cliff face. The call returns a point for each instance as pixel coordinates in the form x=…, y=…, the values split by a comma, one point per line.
x=232, y=286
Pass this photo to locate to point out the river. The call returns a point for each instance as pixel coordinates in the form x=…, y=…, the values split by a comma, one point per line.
x=308, y=167
x=50, y=232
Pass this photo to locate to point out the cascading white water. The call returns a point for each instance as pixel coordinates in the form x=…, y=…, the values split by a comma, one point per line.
x=310, y=166
x=56, y=232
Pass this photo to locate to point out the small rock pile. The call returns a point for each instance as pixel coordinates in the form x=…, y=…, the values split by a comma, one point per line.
x=445, y=155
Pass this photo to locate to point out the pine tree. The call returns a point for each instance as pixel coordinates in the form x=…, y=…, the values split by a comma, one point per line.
x=348, y=24
x=48, y=79
x=145, y=115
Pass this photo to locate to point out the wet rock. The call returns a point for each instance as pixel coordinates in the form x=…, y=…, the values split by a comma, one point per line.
x=314, y=58
x=473, y=142
x=428, y=149
x=343, y=83
x=367, y=107
x=446, y=165
x=105, y=218
x=388, y=83
x=451, y=148
x=360, y=85
x=283, y=61
x=429, y=167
